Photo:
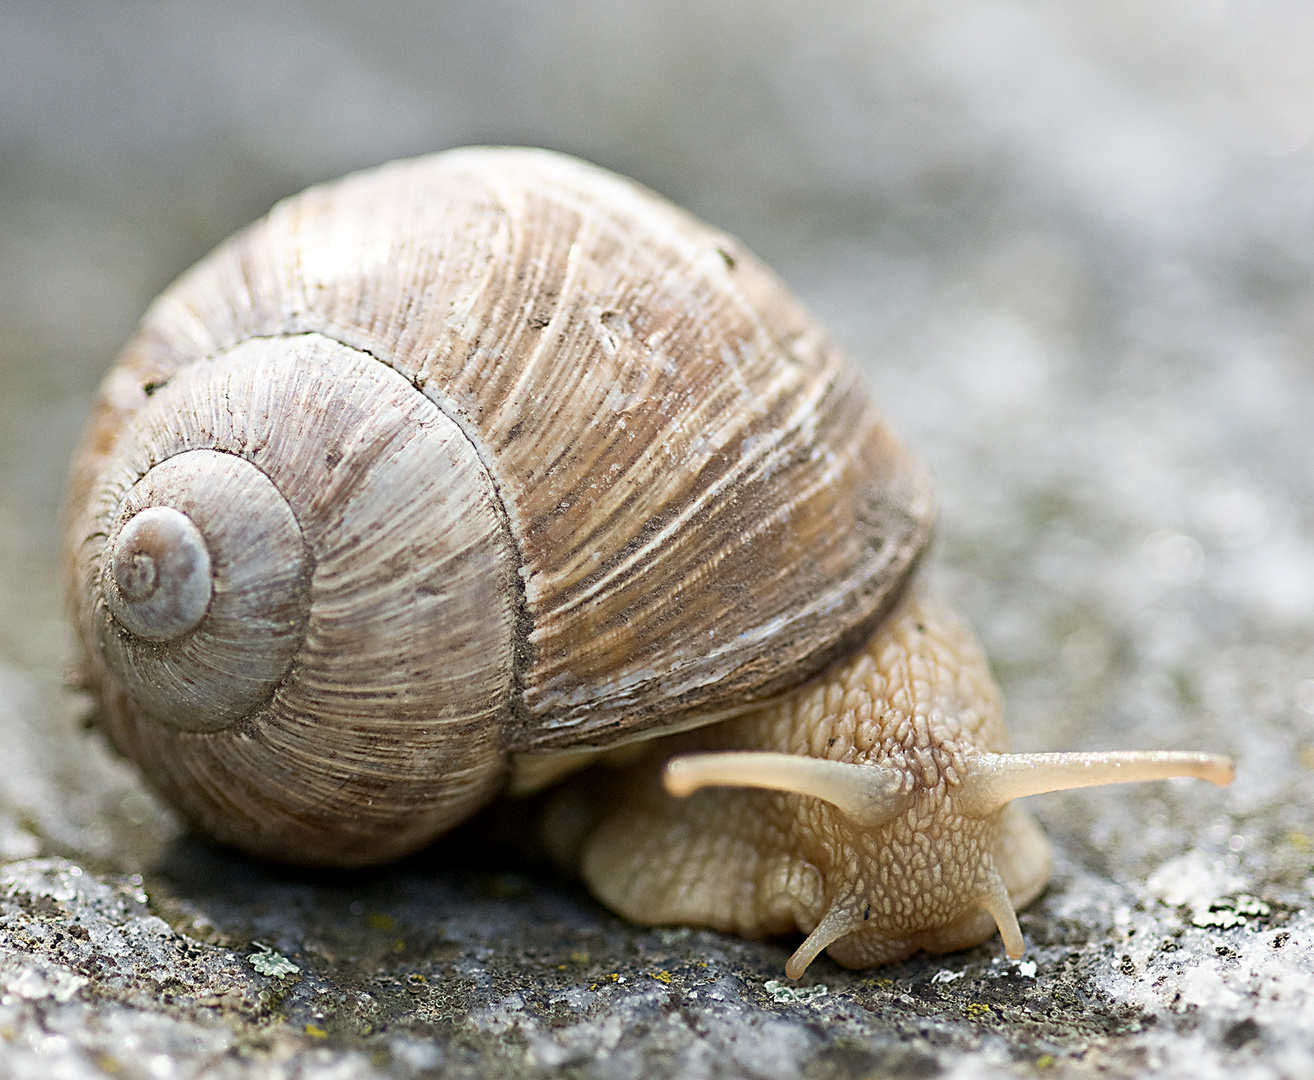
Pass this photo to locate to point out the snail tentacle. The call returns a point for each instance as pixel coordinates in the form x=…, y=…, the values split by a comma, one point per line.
x=996, y=779
x=994, y=897
x=868, y=795
x=844, y=916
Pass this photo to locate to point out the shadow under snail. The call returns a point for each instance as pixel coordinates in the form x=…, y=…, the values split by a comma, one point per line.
x=456, y=475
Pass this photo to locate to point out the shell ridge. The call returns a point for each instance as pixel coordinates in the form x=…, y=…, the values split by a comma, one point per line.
x=756, y=465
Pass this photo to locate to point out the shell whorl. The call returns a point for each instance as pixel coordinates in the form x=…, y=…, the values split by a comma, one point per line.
x=157, y=575
x=359, y=636
x=225, y=614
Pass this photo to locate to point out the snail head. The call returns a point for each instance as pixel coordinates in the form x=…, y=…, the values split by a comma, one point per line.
x=878, y=817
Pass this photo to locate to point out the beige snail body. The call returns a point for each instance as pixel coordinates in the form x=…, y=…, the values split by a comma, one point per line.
x=461, y=471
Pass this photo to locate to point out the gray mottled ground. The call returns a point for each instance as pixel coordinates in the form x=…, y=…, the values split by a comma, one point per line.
x=1072, y=248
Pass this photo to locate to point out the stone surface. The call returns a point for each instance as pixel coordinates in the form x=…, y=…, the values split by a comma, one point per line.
x=1072, y=249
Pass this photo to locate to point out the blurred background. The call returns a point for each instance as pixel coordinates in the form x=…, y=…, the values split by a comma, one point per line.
x=1070, y=246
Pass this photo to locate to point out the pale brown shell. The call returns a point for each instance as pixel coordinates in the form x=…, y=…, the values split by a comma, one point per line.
x=539, y=461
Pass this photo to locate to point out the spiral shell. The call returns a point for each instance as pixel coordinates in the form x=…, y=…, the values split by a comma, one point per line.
x=484, y=453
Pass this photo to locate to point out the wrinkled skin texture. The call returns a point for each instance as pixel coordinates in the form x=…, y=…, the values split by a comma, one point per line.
x=918, y=697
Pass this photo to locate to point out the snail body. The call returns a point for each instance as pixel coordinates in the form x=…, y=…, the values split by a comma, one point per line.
x=477, y=466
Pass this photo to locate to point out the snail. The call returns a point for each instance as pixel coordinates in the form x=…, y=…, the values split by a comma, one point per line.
x=459, y=474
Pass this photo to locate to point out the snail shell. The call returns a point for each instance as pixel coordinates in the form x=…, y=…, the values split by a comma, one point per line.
x=480, y=454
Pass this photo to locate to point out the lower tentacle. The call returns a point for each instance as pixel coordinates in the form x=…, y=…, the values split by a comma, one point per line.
x=995, y=899
x=844, y=916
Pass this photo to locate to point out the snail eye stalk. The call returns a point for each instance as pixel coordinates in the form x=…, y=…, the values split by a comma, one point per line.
x=867, y=795
x=997, y=779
